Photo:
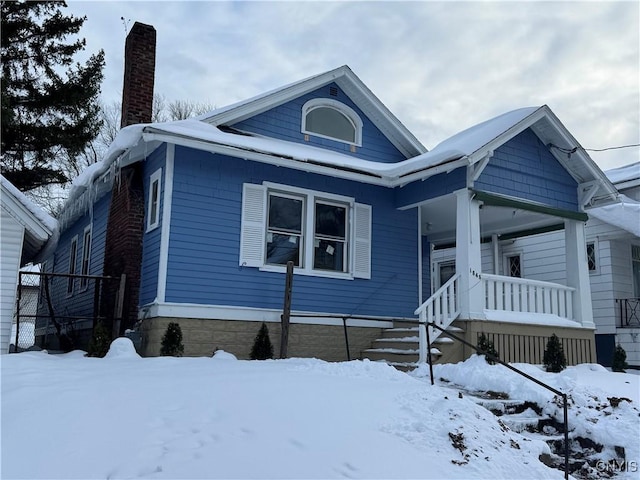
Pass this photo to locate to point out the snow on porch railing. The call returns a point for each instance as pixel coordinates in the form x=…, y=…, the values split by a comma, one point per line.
x=442, y=308
x=522, y=295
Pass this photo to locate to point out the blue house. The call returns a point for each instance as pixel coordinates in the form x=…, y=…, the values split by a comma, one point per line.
x=202, y=215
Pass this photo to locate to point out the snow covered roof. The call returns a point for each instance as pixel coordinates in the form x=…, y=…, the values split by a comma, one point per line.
x=625, y=214
x=626, y=176
x=135, y=142
x=349, y=82
x=39, y=225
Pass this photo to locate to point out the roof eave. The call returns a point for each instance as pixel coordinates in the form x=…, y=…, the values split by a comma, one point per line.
x=366, y=100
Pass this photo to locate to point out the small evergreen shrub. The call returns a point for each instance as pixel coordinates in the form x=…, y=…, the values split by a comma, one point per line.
x=554, y=359
x=172, y=341
x=262, y=348
x=619, y=359
x=100, y=341
x=486, y=346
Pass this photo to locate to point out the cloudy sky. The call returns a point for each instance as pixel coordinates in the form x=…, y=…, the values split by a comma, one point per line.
x=439, y=66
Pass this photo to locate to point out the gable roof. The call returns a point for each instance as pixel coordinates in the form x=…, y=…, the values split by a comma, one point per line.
x=482, y=139
x=38, y=225
x=350, y=84
x=468, y=147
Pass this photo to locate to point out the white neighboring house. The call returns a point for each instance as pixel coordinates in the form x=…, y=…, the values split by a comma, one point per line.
x=613, y=249
x=25, y=230
x=612, y=235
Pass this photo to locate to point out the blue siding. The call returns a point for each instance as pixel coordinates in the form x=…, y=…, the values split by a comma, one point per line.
x=285, y=123
x=99, y=234
x=151, y=240
x=205, y=234
x=432, y=187
x=80, y=303
x=524, y=168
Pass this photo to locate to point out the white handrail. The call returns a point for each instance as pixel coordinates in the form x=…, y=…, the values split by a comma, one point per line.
x=514, y=294
x=443, y=307
x=525, y=281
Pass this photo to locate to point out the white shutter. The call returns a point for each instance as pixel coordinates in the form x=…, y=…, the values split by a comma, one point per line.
x=253, y=225
x=362, y=241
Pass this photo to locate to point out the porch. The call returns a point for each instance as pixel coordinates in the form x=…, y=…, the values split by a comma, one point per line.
x=517, y=311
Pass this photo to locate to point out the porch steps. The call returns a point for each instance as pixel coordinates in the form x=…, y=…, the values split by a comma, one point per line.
x=399, y=347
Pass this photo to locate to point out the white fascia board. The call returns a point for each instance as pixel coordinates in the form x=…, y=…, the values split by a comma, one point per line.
x=382, y=117
x=272, y=99
x=267, y=158
x=304, y=165
x=609, y=190
x=360, y=94
x=252, y=314
x=24, y=216
x=505, y=136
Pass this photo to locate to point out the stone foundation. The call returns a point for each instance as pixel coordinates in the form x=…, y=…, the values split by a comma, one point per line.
x=203, y=337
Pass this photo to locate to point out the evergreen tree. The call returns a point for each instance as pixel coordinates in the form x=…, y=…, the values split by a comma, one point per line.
x=619, y=359
x=100, y=341
x=50, y=106
x=172, y=341
x=262, y=348
x=486, y=346
x=554, y=359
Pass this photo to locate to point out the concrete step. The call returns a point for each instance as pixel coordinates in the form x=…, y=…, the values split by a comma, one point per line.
x=411, y=343
x=391, y=355
x=400, y=332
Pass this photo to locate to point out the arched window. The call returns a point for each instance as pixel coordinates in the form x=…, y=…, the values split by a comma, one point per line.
x=328, y=118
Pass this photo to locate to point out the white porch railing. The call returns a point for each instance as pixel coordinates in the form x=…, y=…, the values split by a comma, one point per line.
x=532, y=296
x=442, y=308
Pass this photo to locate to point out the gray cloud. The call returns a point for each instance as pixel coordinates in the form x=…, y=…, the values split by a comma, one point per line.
x=439, y=66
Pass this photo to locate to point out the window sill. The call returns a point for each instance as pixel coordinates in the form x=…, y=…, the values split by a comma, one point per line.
x=310, y=273
x=151, y=228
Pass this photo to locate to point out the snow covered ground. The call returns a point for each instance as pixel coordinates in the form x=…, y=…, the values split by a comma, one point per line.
x=72, y=417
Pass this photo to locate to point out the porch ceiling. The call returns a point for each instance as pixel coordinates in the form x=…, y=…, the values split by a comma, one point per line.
x=438, y=220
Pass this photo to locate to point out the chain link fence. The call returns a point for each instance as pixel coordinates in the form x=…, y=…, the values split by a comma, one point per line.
x=56, y=311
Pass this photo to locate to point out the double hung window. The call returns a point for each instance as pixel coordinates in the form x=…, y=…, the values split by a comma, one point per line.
x=86, y=255
x=322, y=234
x=73, y=257
x=153, y=204
x=284, y=229
x=330, y=236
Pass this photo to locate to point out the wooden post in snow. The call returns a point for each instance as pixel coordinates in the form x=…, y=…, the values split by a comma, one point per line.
x=286, y=312
x=119, y=307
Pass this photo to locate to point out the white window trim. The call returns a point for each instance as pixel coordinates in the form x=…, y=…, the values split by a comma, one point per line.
x=254, y=226
x=505, y=262
x=596, y=251
x=84, y=283
x=308, y=231
x=436, y=281
x=73, y=261
x=153, y=223
x=340, y=107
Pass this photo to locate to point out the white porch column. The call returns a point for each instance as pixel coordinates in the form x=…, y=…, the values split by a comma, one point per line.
x=468, y=256
x=578, y=271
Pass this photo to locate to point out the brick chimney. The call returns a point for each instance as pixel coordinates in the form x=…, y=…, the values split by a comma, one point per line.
x=139, y=73
x=125, y=224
